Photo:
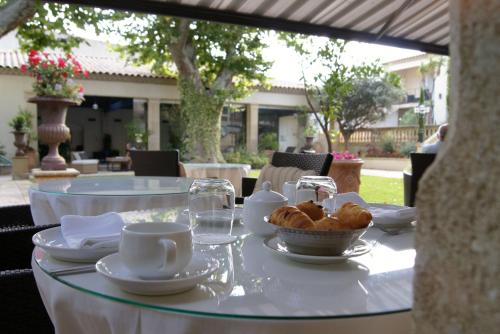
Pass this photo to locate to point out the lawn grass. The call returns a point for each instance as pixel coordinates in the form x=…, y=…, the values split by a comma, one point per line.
x=376, y=189
x=373, y=189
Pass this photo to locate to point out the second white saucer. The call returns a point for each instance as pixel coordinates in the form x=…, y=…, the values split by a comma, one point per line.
x=359, y=247
x=112, y=268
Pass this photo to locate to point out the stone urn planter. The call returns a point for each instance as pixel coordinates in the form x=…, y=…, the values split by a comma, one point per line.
x=53, y=129
x=20, y=142
x=347, y=174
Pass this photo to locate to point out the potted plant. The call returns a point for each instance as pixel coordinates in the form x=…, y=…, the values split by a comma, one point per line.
x=268, y=143
x=310, y=133
x=18, y=124
x=346, y=171
x=55, y=91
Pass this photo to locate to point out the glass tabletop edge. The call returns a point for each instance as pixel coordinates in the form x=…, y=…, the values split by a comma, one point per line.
x=216, y=315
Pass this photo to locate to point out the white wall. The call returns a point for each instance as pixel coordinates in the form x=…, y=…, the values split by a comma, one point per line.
x=16, y=89
x=440, y=95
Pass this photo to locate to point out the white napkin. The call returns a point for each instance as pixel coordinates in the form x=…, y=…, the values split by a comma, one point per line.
x=393, y=216
x=389, y=215
x=92, y=231
x=331, y=204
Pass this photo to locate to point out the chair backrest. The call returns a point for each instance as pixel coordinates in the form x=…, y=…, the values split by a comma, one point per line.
x=290, y=149
x=320, y=163
x=419, y=164
x=155, y=163
x=16, y=215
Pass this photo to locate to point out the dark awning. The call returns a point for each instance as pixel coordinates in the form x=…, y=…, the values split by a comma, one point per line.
x=415, y=24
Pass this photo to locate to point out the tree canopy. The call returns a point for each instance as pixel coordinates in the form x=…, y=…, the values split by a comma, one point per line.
x=213, y=62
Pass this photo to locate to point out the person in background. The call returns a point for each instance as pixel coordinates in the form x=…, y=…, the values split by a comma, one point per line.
x=441, y=134
x=129, y=147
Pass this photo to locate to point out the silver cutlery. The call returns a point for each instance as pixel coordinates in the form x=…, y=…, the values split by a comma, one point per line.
x=73, y=270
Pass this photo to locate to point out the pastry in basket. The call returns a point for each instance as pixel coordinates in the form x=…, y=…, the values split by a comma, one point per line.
x=330, y=224
x=291, y=217
x=314, y=211
x=353, y=215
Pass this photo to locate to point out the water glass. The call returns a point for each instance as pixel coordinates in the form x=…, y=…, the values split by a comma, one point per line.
x=315, y=188
x=211, y=211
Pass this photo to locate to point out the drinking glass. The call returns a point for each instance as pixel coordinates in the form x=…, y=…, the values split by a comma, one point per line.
x=315, y=188
x=211, y=211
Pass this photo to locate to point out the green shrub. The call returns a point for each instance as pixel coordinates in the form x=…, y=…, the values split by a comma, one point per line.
x=268, y=141
x=241, y=156
x=407, y=148
x=388, y=144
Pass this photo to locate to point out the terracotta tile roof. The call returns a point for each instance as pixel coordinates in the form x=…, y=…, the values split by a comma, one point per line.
x=95, y=65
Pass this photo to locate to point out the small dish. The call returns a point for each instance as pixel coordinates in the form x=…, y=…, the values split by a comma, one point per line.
x=52, y=241
x=358, y=248
x=200, y=267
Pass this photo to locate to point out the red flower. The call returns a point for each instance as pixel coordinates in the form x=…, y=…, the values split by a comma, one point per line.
x=46, y=54
x=80, y=90
x=32, y=53
x=35, y=60
x=45, y=65
x=61, y=63
x=52, y=62
x=65, y=74
x=24, y=68
x=86, y=74
x=76, y=70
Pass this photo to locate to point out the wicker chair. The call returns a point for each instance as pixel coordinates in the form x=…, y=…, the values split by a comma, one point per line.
x=155, y=163
x=21, y=308
x=16, y=242
x=16, y=215
x=320, y=163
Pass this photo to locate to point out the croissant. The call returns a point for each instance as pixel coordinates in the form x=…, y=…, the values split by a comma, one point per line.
x=291, y=217
x=353, y=215
x=314, y=211
x=330, y=224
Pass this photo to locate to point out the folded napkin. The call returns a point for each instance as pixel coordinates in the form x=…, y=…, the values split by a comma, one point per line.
x=92, y=231
x=393, y=216
x=331, y=204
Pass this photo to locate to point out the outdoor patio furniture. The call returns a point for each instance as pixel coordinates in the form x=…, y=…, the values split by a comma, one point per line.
x=95, y=195
x=155, y=163
x=21, y=306
x=319, y=163
x=274, y=295
x=82, y=164
x=16, y=215
x=122, y=162
x=419, y=164
x=16, y=246
x=290, y=149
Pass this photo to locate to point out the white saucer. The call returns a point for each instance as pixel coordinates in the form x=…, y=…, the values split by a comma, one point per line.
x=112, y=268
x=358, y=248
x=390, y=225
x=52, y=241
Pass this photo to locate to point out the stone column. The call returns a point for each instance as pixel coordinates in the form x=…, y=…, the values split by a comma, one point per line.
x=252, y=127
x=457, y=278
x=154, y=124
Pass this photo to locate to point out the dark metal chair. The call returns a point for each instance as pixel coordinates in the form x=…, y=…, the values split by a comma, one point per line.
x=155, y=163
x=419, y=164
x=21, y=308
x=21, y=304
x=320, y=163
x=16, y=215
x=290, y=149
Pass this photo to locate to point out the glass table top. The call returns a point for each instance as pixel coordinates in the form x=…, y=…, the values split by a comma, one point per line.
x=116, y=186
x=254, y=283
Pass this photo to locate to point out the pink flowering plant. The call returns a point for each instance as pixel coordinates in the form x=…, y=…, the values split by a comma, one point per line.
x=54, y=76
x=344, y=155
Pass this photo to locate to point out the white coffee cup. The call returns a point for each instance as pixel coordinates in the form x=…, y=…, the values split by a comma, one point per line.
x=156, y=250
x=289, y=189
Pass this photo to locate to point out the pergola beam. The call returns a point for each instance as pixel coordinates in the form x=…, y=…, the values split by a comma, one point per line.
x=204, y=13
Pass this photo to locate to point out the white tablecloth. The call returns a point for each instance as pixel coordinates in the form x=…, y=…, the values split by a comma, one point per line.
x=231, y=172
x=254, y=283
x=47, y=207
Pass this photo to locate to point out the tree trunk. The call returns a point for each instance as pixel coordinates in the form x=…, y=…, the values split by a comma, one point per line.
x=203, y=123
x=15, y=13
